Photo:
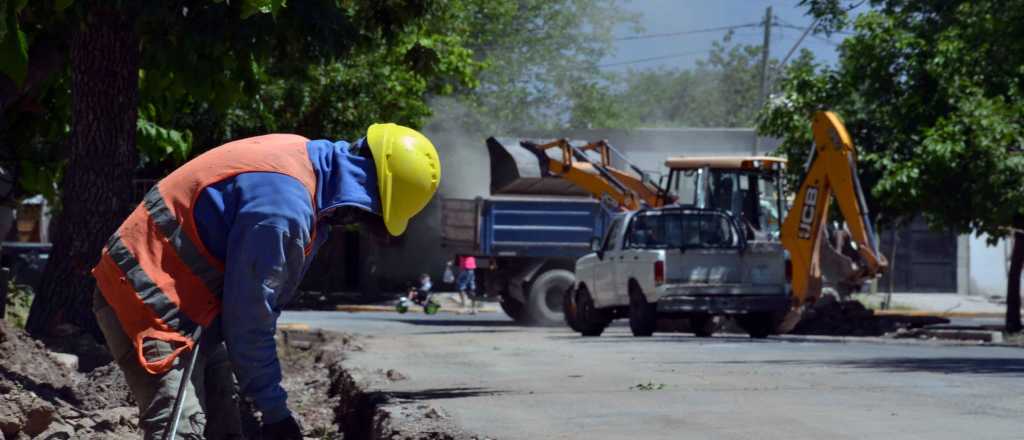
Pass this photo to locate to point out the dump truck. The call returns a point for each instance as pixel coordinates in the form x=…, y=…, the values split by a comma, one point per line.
x=526, y=248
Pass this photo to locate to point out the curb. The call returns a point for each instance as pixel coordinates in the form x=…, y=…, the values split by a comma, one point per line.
x=357, y=308
x=923, y=313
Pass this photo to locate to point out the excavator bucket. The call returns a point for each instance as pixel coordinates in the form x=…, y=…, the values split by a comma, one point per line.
x=518, y=170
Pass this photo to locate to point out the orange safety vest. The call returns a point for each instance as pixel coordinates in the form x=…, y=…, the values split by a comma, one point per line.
x=155, y=272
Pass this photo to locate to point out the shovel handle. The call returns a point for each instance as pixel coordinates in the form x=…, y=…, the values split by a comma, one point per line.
x=179, y=400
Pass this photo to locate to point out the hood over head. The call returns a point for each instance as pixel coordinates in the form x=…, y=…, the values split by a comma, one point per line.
x=344, y=178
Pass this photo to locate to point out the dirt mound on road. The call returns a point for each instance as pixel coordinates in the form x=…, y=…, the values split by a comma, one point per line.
x=831, y=316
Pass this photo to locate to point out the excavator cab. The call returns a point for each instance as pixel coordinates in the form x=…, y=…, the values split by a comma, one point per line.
x=748, y=188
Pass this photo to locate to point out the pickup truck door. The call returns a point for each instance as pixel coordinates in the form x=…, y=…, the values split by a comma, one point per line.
x=585, y=270
x=628, y=262
x=604, y=269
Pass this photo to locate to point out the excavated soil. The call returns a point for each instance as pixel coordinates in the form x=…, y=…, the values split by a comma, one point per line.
x=48, y=395
x=831, y=316
x=44, y=398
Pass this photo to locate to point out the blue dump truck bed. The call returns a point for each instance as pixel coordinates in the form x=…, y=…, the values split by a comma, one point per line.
x=523, y=227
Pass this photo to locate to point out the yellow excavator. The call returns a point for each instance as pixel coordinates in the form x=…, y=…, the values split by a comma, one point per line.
x=750, y=189
x=831, y=173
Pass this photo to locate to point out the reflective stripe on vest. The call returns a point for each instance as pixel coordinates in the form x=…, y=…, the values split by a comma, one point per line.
x=155, y=272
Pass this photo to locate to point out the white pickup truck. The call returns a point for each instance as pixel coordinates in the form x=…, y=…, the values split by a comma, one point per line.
x=678, y=262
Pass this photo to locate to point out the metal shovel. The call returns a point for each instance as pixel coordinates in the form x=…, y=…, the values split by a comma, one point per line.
x=179, y=400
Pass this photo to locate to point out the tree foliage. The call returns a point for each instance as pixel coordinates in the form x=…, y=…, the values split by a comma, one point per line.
x=212, y=70
x=931, y=92
x=192, y=71
x=721, y=91
x=541, y=60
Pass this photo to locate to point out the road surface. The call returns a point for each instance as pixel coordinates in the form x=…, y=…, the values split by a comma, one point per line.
x=503, y=381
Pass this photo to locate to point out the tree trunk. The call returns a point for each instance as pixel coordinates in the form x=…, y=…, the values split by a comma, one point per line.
x=1013, y=324
x=97, y=186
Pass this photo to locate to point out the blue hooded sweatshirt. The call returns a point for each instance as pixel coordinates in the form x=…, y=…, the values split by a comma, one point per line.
x=259, y=224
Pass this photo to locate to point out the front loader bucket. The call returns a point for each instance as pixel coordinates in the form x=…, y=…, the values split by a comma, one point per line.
x=518, y=170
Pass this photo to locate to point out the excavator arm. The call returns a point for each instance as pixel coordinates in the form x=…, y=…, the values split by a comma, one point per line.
x=623, y=189
x=831, y=173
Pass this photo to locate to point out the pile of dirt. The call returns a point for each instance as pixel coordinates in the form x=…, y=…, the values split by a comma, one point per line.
x=43, y=397
x=105, y=387
x=831, y=316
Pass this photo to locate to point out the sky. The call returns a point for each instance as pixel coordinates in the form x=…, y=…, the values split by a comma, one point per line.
x=667, y=16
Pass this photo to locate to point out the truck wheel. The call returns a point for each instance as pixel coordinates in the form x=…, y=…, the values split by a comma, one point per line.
x=703, y=325
x=757, y=325
x=513, y=308
x=643, y=316
x=589, y=320
x=544, y=306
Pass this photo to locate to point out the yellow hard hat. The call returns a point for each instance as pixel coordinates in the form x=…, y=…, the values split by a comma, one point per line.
x=408, y=172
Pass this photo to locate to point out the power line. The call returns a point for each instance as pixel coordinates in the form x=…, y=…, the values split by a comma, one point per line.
x=778, y=24
x=825, y=40
x=644, y=60
x=686, y=32
x=803, y=28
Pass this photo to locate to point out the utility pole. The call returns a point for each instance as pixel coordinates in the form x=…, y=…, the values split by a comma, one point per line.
x=765, y=52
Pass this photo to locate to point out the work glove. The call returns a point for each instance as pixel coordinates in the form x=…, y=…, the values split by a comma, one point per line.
x=287, y=429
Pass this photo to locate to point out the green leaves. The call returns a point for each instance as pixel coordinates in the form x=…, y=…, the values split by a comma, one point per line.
x=158, y=144
x=13, y=45
x=40, y=178
x=251, y=7
x=931, y=92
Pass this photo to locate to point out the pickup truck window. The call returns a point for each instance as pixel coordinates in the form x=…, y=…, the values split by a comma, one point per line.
x=681, y=230
x=611, y=240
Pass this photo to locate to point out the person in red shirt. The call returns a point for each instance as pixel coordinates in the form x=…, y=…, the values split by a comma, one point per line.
x=466, y=283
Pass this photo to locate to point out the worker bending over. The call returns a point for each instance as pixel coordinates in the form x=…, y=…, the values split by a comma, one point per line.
x=221, y=244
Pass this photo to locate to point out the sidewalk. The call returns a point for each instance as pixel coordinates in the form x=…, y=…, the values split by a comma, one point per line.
x=949, y=305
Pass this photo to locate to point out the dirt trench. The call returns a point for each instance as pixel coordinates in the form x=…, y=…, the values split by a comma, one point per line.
x=348, y=402
x=48, y=395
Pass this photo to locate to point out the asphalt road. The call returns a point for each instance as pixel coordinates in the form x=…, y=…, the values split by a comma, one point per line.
x=503, y=381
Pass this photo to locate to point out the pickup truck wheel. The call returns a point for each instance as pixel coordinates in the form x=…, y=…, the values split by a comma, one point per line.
x=544, y=306
x=703, y=325
x=513, y=308
x=589, y=321
x=569, y=309
x=643, y=316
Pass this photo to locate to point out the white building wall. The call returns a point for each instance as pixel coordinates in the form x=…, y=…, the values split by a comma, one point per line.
x=987, y=266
